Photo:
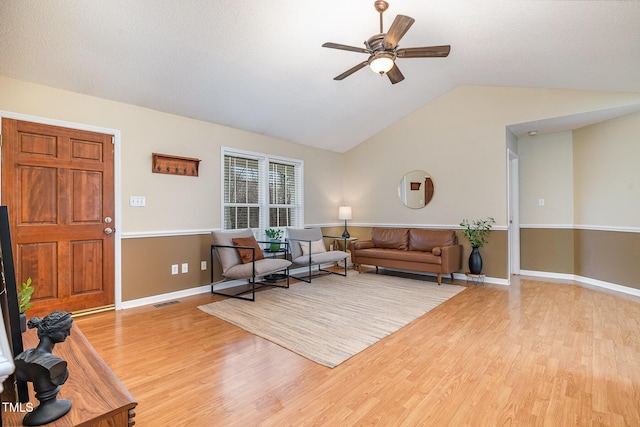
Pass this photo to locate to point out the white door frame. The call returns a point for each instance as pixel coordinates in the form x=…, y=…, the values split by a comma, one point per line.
x=116, y=184
x=513, y=214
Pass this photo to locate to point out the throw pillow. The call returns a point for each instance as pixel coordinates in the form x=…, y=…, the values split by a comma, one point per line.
x=246, y=255
x=316, y=247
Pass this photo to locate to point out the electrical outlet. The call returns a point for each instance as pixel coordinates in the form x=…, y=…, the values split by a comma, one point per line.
x=203, y=265
x=540, y=202
x=174, y=269
x=185, y=267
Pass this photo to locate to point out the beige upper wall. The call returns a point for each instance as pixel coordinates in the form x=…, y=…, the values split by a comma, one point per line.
x=175, y=203
x=459, y=139
x=606, y=173
x=546, y=172
x=588, y=177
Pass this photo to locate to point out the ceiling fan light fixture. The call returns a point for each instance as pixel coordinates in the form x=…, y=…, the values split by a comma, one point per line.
x=381, y=62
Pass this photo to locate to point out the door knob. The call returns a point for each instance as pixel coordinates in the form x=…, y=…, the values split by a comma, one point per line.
x=108, y=230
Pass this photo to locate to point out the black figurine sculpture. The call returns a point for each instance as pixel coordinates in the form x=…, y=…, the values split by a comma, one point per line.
x=46, y=371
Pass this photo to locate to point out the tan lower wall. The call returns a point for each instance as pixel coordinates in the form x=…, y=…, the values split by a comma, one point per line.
x=609, y=256
x=146, y=264
x=547, y=249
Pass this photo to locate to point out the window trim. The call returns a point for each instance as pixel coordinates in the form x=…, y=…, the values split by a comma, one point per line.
x=266, y=159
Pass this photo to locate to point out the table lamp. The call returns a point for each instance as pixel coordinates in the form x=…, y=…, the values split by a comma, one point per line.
x=344, y=213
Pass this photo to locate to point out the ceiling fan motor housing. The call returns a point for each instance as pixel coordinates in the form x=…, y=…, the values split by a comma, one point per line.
x=374, y=44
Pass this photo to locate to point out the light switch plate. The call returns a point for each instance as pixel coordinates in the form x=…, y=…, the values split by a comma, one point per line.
x=137, y=201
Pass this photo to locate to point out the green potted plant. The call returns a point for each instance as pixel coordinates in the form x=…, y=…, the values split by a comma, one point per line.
x=274, y=234
x=476, y=231
x=25, y=290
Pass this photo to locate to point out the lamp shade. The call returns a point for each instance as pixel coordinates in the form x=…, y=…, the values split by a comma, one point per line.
x=344, y=212
x=381, y=62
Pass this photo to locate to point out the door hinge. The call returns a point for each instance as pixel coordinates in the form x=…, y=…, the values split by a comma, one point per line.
x=0, y=140
x=113, y=140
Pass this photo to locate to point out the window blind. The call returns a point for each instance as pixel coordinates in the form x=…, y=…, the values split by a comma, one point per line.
x=260, y=192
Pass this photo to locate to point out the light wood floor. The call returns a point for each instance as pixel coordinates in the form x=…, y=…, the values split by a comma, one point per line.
x=535, y=353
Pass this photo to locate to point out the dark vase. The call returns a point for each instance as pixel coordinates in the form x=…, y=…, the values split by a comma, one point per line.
x=475, y=261
x=23, y=322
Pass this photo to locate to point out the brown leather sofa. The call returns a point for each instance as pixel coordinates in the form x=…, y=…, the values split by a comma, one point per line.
x=416, y=249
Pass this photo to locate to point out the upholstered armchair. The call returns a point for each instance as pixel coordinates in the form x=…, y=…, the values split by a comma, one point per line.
x=241, y=258
x=307, y=248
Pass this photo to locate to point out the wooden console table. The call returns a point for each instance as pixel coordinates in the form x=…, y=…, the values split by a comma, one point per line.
x=97, y=396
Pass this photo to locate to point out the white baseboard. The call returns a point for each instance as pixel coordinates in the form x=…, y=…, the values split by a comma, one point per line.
x=581, y=279
x=165, y=297
x=487, y=279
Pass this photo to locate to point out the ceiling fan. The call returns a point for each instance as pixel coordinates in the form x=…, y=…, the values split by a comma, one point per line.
x=383, y=49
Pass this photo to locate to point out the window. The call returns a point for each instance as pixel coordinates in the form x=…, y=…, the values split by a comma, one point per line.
x=260, y=191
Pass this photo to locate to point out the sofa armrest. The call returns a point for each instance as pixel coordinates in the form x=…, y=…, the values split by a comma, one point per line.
x=362, y=244
x=451, y=258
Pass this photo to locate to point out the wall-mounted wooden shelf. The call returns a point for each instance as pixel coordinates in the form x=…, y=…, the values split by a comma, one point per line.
x=174, y=165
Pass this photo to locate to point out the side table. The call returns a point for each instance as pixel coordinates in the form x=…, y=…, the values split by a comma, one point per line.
x=339, y=244
x=475, y=278
x=283, y=251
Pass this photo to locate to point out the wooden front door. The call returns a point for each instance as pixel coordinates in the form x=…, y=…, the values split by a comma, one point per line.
x=57, y=184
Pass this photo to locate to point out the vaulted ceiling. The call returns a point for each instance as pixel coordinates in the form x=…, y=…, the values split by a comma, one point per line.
x=259, y=65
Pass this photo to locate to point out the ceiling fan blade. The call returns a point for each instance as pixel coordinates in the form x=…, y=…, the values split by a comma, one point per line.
x=424, y=52
x=395, y=75
x=351, y=70
x=345, y=47
x=397, y=30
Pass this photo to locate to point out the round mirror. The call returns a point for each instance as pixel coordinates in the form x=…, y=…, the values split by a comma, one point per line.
x=415, y=189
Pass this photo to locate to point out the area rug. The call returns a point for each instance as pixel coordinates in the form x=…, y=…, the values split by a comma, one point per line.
x=333, y=318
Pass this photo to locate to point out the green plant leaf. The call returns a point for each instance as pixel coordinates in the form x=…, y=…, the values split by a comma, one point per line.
x=273, y=233
x=477, y=231
x=25, y=290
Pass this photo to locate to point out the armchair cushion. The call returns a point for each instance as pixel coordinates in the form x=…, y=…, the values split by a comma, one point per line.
x=321, y=258
x=316, y=247
x=229, y=256
x=300, y=243
x=246, y=255
x=299, y=235
x=263, y=267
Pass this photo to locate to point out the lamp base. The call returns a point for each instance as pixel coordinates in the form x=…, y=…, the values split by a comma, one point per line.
x=346, y=233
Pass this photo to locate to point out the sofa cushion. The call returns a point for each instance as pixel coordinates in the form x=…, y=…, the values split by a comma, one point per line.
x=391, y=238
x=400, y=255
x=426, y=240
